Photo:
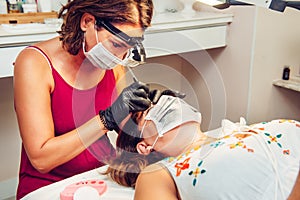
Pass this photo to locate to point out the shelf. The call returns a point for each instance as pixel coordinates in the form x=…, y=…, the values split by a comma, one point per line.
x=22, y=18
x=291, y=84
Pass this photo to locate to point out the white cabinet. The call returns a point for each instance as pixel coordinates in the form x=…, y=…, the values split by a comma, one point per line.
x=11, y=45
x=174, y=33
x=7, y=57
x=170, y=33
x=13, y=40
x=181, y=41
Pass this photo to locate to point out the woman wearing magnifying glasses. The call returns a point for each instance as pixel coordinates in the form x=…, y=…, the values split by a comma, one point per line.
x=66, y=91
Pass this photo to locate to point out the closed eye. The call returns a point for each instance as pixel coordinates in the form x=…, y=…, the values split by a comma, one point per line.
x=116, y=45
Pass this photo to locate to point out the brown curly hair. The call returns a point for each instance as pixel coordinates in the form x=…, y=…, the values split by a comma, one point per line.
x=128, y=163
x=115, y=11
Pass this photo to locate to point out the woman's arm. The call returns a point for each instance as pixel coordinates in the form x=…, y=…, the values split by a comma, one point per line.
x=155, y=182
x=295, y=194
x=119, y=73
x=33, y=83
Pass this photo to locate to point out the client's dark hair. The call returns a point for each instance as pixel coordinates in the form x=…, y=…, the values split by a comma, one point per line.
x=128, y=163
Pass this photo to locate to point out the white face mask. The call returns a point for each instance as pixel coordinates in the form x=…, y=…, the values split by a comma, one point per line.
x=170, y=112
x=100, y=57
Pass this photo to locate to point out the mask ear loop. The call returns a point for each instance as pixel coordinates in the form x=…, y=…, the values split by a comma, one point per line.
x=154, y=143
x=141, y=135
x=83, y=45
x=96, y=33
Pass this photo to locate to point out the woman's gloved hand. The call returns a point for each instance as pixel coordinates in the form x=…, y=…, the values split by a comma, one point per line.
x=154, y=95
x=133, y=98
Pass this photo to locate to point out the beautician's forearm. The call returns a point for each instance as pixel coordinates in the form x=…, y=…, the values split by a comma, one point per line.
x=61, y=149
x=295, y=194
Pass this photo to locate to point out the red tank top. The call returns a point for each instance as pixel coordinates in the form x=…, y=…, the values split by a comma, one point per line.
x=71, y=108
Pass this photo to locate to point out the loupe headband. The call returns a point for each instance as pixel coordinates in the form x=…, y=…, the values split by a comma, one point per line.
x=132, y=41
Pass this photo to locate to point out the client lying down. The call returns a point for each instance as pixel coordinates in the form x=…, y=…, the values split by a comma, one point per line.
x=164, y=155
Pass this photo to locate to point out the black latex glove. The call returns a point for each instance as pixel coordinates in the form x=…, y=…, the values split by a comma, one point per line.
x=154, y=95
x=133, y=98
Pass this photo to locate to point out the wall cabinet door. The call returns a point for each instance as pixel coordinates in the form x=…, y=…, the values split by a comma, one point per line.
x=7, y=58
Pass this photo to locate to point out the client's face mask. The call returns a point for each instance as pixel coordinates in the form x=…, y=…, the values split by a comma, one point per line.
x=170, y=112
x=100, y=57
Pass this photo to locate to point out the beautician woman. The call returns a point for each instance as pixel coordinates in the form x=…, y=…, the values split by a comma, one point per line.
x=66, y=94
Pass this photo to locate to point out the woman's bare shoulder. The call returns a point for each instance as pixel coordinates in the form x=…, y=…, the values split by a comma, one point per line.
x=155, y=182
x=31, y=66
x=29, y=59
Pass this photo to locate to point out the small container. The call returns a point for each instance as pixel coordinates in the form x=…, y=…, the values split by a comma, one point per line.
x=19, y=3
x=286, y=73
x=13, y=6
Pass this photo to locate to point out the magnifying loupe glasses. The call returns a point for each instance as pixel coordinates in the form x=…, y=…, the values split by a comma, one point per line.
x=137, y=54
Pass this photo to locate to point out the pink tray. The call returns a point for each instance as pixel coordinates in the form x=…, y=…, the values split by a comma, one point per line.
x=68, y=192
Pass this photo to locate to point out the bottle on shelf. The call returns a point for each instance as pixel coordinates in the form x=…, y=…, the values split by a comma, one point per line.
x=286, y=73
x=13, y=6
x=19, y=3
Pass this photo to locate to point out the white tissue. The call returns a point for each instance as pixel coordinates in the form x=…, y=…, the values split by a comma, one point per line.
x=86, y=192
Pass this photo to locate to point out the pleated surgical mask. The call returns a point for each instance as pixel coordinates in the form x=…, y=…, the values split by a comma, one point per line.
x=100, y=57
x=170, y=112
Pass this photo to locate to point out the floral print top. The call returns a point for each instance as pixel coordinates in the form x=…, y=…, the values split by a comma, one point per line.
x=260, y=161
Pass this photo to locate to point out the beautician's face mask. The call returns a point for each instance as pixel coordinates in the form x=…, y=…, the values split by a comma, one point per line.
x=170, y=112
x=100, y=57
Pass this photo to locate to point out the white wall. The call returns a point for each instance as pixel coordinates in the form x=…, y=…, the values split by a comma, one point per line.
x=277, y=44
x=56, y=4
x=260, y=43
x=235, y=60
x=10, y=144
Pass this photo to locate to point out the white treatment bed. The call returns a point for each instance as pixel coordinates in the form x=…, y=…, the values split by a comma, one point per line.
x=52, y=192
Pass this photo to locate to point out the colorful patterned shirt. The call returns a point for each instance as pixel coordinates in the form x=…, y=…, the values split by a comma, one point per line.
x=254, y=162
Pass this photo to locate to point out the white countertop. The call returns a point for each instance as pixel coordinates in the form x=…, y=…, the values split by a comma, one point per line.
x=192, y=32
x=30, y=33
x=25, y=29
x=24, y=34
x=160, y=21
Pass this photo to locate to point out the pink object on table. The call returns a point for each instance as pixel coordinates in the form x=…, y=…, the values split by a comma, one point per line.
x=68, y=192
